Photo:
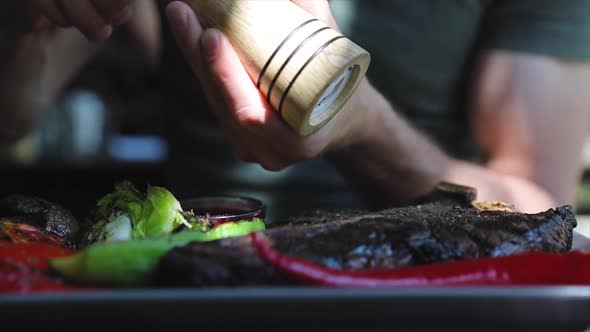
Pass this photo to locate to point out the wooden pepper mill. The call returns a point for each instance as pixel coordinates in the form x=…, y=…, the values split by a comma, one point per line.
x=306, y=70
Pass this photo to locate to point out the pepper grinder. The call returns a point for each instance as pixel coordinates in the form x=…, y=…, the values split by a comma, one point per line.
x=306, y=70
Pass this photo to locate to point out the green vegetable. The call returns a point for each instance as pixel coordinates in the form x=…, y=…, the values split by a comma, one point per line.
x=119, y=229
x=161, y=214
x=131, y=263
x=153, y=214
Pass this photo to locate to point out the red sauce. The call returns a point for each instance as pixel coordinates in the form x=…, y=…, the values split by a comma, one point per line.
x=222, y=210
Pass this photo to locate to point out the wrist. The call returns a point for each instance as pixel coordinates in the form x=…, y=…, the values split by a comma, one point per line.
x=384, y=156
x=364, y=117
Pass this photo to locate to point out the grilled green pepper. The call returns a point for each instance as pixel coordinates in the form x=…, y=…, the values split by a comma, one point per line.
x=128, y=214
x=132, y=263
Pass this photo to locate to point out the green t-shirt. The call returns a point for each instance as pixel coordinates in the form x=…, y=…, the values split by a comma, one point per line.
x=423, y=55
x=424, y=51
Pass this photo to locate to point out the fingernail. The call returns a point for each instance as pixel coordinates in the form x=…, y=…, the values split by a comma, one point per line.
x=123, y=16
x=105, y=33
x=211, y=41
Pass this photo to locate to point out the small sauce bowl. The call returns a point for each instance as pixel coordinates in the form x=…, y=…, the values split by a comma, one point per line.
x=223, y=209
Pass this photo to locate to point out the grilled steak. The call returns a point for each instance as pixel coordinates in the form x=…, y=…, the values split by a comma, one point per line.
x=438, y=229
x=50, y=217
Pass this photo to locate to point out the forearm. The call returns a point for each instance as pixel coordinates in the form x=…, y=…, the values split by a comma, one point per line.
x=394, y=164
x=387, y=161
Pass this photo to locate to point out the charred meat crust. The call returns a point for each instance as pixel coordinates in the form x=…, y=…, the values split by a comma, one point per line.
x=50, y=217
x=407, y=236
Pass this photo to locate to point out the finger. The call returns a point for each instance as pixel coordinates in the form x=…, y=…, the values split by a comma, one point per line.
x=247, y=147
x=21, y=17
x=244, y=102
x=240, y=143
x=84, y=16
x=115, y=11
x=225, y=70
x=228, y=74
x=263, y=156
x=256, y=150
x=272, y=162
x=187, y=31
x=144, y=28
x=51, y=10
x=241, y=110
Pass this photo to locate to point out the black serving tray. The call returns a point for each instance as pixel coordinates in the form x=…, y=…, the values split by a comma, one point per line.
x=310, y=309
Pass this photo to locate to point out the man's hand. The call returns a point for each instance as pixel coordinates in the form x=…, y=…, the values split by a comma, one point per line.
x=94, y=18
x=256, y=131
x=531, y=115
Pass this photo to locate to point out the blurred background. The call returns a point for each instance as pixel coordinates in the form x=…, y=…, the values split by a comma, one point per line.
x=131, y=116
x=109, y=124
x=124, y=118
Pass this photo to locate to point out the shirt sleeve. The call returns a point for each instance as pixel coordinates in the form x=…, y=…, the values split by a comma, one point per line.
x=559, y=28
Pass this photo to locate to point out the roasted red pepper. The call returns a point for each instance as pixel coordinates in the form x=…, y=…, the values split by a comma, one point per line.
x=535, y=269
x=24, y=269
x=23, y=233
x=24, y=252
x=34, y=255
x=17, y=277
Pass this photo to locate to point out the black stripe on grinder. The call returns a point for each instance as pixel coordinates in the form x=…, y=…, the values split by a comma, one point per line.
x=320, y=50
x=265, y=68
x=274, y=81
